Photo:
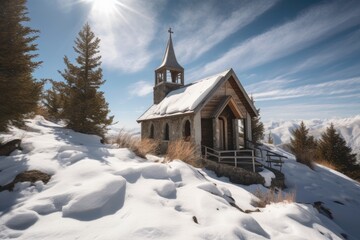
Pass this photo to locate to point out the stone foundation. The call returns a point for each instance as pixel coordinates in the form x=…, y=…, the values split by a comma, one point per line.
x=235, y=174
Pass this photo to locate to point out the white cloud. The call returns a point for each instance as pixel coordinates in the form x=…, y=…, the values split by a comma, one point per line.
x=126, y=32
x=202, y=26
x=278, y=82
x=126, y=36
x=140, y=88
x=280, y=91
x=309, y=28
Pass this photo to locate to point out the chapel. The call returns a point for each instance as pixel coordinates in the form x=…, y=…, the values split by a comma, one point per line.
x=214, y=111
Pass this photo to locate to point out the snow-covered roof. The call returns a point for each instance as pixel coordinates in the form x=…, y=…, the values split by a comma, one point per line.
x=185, y=99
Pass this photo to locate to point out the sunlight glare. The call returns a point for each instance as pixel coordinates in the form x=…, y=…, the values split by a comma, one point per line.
x=104, y=6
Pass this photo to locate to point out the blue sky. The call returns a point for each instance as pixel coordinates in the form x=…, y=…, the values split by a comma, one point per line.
x=298, y=59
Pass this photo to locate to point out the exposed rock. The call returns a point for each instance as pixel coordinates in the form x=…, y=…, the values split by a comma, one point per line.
x=279, y=180
x=7, y=148
x=338, y=202
x=235, y=174
x=322, y=209
x=27, y=176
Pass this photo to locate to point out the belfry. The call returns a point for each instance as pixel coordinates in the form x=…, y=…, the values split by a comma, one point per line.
x=169, y=75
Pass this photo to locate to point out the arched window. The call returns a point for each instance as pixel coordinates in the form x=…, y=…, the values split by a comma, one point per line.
x=187, y=130
x=166, y=132
x=151, y=135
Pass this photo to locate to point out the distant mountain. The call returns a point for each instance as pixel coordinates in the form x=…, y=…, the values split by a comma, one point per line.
x=349, y=128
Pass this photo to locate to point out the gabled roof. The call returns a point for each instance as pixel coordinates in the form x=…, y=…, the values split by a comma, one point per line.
x=169, y=60
x=193, y=97
x=227, y=101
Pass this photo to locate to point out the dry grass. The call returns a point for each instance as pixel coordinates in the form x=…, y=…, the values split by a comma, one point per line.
x=327, y=164
x=306, y=158
x=140, y=147
x=146, y=146
x=185, y=151
x=270, y=196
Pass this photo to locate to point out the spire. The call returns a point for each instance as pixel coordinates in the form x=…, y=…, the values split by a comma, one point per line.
x=169, y=60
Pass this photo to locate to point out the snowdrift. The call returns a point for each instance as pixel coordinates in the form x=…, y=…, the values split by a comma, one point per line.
x=100, y=192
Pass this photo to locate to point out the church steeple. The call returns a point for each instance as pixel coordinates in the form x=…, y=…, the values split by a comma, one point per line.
x=169, y=75
x=169, y=59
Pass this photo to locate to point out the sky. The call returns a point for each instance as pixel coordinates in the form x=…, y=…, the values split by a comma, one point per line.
x=297, y=59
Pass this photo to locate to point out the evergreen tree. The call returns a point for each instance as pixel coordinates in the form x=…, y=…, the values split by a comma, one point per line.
x=19, y=92
x=257, y=128
x=270, y=138
x=85, y=107
x=302, y=145
x=332, y=148
x=53, y=100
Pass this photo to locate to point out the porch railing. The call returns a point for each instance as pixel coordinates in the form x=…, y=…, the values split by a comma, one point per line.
x=238, y=157
x=270, y=157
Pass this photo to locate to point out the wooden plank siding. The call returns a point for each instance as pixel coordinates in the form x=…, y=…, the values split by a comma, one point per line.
x=242, y=98
x=225, y=90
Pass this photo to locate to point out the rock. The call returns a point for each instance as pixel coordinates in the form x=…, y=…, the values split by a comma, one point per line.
x=235, y=174
x=322, y=209
x=27, y=176
x=7, y=148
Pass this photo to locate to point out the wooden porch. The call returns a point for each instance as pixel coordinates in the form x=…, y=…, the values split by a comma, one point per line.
x=252, y=159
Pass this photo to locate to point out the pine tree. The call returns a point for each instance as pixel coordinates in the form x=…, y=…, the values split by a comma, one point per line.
x=302, y=145
x=332, y=148
x=53, y=100
x=85, y=107
x=270, y=139
x=19, y=92
x=257, y=128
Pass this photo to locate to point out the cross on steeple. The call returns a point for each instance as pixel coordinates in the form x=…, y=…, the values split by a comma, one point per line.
x=169, y=75
x=170, y=31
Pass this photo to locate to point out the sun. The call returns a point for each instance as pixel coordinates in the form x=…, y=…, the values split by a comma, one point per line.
x=104, y=6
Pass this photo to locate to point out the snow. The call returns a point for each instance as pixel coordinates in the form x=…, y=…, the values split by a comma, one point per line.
x=101, y=192
x=349, y=129
x=185, y=99
x=267, y=175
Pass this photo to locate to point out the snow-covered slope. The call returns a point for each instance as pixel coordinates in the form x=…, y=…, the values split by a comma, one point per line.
x=349, y=128
x=101, y=192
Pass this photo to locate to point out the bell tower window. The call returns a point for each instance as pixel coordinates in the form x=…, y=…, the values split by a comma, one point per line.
x=169, y=75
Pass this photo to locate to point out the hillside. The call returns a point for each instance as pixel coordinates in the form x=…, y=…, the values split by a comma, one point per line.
x=349, y=128
x=101, y=192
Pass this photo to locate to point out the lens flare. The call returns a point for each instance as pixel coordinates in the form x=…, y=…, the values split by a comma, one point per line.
x=104, y=6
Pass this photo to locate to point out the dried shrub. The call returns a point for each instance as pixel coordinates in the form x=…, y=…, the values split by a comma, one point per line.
x=272, y=196
x=146, y=146
x=27, y=176
x=306, y=158
x=185, y=151
x=125, y=139
x=42, y=111
x=140, y=147
x=326, y=164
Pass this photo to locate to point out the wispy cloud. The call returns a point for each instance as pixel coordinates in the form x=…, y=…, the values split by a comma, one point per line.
x=202, y=25
x=309, y=28
x=127, y=37
x=284, y=91
x=140, y=89
x=126, y=32
x=276, y=83
x=332, y=53
x=308, y=111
